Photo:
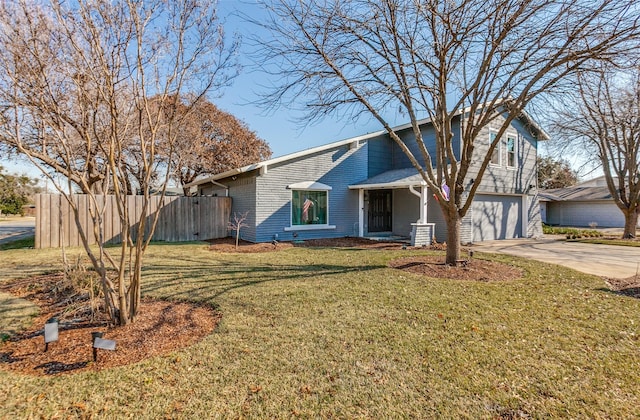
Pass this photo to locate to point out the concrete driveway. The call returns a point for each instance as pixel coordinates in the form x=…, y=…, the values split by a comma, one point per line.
x=601, y=260
x=14, y=229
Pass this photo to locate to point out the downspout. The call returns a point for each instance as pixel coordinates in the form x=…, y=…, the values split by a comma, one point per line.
x=423, y=201
x=226, y=189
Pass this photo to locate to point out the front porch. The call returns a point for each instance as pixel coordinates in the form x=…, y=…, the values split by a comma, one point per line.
x=396, y=204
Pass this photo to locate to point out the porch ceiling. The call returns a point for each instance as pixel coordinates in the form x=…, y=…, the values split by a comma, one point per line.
x=397, y=178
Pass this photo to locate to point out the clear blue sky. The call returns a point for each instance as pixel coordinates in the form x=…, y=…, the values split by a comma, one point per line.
x=279, y=129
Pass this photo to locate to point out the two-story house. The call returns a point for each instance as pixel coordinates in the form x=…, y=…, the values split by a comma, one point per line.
x=365, y=186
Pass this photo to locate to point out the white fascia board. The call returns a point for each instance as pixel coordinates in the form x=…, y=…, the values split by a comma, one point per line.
x=390, y=185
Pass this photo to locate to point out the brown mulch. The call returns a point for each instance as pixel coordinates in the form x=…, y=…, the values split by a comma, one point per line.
x=627, y=287
x=161, y=328
x=470, y=269
x=228, y=245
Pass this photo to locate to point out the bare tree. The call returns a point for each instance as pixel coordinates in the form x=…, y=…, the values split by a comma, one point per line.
x=211, y=141
x=602, y=120
x=237, y=223
x=477, y=60
x=76, y=80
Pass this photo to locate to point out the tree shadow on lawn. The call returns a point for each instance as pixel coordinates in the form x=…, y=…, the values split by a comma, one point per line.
x=633, y=292
x=206, y=283
x=623, y=287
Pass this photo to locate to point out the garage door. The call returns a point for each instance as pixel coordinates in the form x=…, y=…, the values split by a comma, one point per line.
x=496, y=217
x=584, y=213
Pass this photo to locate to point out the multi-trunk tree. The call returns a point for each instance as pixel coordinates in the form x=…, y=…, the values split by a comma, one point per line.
x=484, y=61
x=80, y=87
x=601, y=122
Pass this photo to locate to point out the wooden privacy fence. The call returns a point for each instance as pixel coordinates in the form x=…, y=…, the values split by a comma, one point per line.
x=181, y=219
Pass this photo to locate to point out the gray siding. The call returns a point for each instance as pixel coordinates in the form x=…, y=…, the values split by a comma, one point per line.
x=338, y=168
x=534, y=229
x=582, y=213
x=242, y=191
x=406, y=210
x=500, y=178
x=466, y=228
x=211, y=190
x=400, y=159
x=434, y=215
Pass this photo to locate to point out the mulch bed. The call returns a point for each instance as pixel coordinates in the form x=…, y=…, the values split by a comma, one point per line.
x=471, y=269
x=228, y=245
x=627, y=287
x=161, y=328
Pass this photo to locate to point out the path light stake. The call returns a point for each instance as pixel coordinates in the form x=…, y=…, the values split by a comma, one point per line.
x=95, y=335
x=50, y=332
x=101, y=343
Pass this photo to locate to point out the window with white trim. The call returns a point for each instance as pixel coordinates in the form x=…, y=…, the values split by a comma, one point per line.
x=512, y=146
x=309, y=206
x=497, y=152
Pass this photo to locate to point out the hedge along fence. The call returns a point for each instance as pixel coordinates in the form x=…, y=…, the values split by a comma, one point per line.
x=181, y=219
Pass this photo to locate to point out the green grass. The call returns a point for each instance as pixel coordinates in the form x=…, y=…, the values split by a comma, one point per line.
x=335, y=333
x=15, y=315
x=19, y=244
x=609, y=241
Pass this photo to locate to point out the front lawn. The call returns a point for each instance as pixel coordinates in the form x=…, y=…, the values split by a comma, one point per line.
x=336, y=333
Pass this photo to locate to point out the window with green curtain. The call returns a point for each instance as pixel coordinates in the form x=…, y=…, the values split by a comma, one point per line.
x=309, y=207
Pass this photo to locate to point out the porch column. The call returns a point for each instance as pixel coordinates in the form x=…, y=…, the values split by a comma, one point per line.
x=422, y=231
x=424, y=200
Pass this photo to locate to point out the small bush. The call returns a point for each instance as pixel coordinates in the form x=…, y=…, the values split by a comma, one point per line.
x=570, y=233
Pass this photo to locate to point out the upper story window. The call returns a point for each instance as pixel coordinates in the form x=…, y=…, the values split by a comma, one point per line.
x=512, y=146
x=497, y=152
x=309, y=206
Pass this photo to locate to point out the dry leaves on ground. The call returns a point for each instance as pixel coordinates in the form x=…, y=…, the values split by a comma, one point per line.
x=160, y=328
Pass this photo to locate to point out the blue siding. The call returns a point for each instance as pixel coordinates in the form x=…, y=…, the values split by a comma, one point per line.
x=380, y=156
x=400, y=159
x=338, y=168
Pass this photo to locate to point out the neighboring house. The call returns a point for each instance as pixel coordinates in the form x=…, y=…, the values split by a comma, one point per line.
x=588, y=203
x=365, y=186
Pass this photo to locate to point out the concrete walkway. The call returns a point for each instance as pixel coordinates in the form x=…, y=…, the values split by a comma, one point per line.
x=602, y=260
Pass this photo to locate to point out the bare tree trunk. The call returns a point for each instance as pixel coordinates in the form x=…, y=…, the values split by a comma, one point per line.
x=630, y=224
x=453, y=239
